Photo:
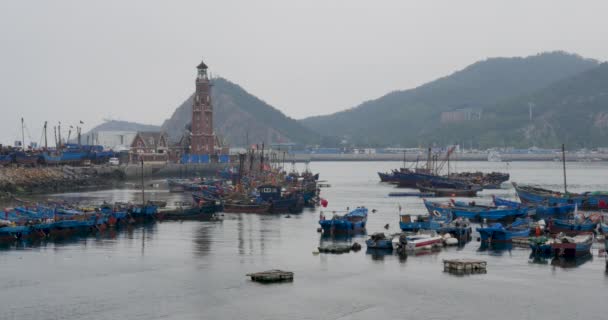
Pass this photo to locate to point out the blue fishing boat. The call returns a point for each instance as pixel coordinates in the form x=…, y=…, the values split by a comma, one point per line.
x=585, y=200
x=143, y=212
x=9, y=233
x=432, y=221
x=443, y=208
x=576, y=246
x=541, y=211
x=498, y=233
x=541, y=246
x=353, y=221
x=281, y=202
x=488, y=212
x=379, y=241
x=604, y=229
x=573, y=226
x=387, y=177
x=5, y=159
x=26, y=158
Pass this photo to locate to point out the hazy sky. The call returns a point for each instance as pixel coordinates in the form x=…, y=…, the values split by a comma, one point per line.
x=135, y=60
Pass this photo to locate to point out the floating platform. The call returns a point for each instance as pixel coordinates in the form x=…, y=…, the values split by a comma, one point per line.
x=339, y=248
x=464, y=266
x=412, y=194
x=271, y=276
x=521, y=242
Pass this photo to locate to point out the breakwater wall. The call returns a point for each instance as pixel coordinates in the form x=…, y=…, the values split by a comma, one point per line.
x=39, y=180
x=23, y=180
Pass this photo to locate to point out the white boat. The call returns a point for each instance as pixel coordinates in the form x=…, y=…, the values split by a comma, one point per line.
x=419, y=242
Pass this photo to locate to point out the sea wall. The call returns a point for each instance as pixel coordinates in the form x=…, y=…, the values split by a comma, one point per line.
x=39, y=180
x=25, y=180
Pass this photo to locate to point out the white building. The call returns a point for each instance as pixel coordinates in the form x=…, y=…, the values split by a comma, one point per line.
x=115, y=140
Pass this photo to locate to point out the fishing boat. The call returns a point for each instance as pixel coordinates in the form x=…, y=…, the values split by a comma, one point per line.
x=499, y=233
x=541, y=211
x=379, y=241
x=353, y=221
x=468, y=191
x=576, y=246
x=26, y=159
x=459, y=228
x=576, y=225
x=421, y=241
x=604, y=229
x=143, y=212
x=281, y=202
x=492, y=213
x=14, y=232
x=202, y=211
x=585, y=200
x=246, y=206
x=432, y=221
x=541, y=246
x=5, y=159
x=387, y=177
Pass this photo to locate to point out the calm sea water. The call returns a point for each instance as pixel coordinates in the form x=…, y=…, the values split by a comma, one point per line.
x=196, y=270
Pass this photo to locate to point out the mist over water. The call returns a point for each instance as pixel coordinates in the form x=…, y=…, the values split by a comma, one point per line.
x=196, y=270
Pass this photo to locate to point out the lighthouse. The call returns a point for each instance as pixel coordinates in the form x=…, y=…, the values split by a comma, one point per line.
x=202, y=140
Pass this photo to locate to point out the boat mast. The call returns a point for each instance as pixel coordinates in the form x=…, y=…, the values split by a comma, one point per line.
x=59, y=135
x=564, y=165
x=262, y=159
x=143, y=200
x=55, y=131
x=22, y=135
x=428, y=160
x=46, y=146
x=448, y=164
x=403, y=158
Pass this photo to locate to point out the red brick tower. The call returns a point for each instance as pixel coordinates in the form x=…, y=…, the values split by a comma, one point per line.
x=202, y=141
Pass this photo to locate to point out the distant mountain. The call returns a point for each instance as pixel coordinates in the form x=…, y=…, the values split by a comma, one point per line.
x=118, y=125
x=573, y=111
x=239, y=117
x=425, y=114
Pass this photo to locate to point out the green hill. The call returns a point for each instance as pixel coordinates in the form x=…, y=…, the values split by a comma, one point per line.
x=240, y=117
x=414, y=117
x=573, y=111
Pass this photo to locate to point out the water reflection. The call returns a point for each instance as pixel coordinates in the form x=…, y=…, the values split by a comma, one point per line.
x=202, y=239
x=495, y=248
x=566, y=263
x=378, y=254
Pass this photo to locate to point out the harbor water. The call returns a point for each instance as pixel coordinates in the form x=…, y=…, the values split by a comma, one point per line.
x=196, y=270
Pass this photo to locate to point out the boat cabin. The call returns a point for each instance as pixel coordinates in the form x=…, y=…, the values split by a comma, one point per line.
x=269, y=192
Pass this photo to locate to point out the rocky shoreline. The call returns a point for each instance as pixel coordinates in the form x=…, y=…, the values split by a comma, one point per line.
x=16, y=181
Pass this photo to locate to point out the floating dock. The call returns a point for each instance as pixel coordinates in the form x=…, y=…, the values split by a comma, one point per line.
x=271, y=276
x=464, y=266
x=521, y=242
x=412, y=194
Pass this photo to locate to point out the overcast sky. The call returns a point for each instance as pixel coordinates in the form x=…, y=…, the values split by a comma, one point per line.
x=135, y=60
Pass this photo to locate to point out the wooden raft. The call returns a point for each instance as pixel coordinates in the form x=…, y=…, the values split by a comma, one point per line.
x=271, y=276
x=464, y=265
